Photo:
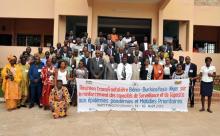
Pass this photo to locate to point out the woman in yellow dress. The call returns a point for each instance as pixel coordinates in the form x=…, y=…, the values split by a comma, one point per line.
x=12, y=76
x=59, y=100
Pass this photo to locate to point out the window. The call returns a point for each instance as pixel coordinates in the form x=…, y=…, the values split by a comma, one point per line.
x=28, y=40
x=209, y=47
x=138, y=27
x=48, y=40
x=204, y=47
x=5, y=39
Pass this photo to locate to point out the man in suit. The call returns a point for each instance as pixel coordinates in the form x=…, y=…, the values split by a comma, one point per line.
x=97, y=66
x=110, y=50
x=59, y=48
x=90, y=47
x=150, y=55
x=173, y=61
x=144, y=45
x=65, y=46
x=166, y=47
x=119, y=55
x=86, y=61
x=191, y=70
x=111, y=70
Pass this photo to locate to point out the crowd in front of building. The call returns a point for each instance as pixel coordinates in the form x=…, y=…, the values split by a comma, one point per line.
x=48, y=78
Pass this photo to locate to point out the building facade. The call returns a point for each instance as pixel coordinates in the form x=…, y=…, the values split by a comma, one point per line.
x=46, y=22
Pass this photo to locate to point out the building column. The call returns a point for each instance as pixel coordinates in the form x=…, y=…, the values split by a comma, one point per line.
x=183, y=34
x=160, y=28
x=55, y=30
x=89, y=23
x=190, y=36
x=62, y=29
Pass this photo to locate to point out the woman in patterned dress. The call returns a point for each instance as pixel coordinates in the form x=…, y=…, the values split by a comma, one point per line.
x=59, y=100
x=47, y=73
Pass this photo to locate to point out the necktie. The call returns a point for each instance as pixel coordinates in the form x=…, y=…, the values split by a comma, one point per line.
x=89, y=47
x=86, y=60
x=97, y=61
x=123, y=73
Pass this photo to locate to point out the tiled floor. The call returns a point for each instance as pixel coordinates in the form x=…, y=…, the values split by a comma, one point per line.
x=37, y=122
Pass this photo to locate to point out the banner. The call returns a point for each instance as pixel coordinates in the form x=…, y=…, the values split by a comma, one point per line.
x=132, y=95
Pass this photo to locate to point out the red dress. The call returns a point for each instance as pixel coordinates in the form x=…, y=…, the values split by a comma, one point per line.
x=47, y=74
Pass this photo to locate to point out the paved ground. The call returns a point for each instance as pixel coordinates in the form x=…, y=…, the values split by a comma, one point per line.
x=37, y=122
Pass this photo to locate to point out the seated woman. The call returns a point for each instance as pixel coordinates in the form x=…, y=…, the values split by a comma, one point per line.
x=59, y=100
x=179, y=73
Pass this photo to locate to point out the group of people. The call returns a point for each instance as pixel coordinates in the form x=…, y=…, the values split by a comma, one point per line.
x=48, y=79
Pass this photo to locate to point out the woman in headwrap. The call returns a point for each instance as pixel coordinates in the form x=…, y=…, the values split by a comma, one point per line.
x=12, y=76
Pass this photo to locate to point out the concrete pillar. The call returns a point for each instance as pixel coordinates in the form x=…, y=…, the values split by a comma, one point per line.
x=61, y=28
x=90, y=22
x=55, y=29
x=183, y=34
x=190, y=36
x=160, y=28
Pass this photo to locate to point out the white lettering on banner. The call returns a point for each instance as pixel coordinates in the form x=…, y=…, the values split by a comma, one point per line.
x=136, y=95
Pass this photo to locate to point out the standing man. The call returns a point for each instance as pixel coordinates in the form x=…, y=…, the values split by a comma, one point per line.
x=114, y=36
x=97, y=66
x=124, y=70
x=90, y=46
x=25, y=80
x=47, y=56
x=86, y=60
x=40, y=52
x=144, y=45
x=191, y=70
x=35, y=82
x=111, y=70
x=120, y=43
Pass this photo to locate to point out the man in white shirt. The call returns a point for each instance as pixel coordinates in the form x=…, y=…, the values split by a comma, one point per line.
x=120, y=43
x=127, y=38
x=124, y=70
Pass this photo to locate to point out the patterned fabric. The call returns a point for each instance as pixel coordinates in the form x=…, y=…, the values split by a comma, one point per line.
x=10, y=86
x=59, y=102
x=48, y=82
x=24, y=82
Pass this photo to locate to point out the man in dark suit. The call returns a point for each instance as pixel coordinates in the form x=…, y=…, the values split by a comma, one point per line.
x=150, y=55
x=166, y=47
x=144, y=45
x=110, y=50
x=191, y=70
x=173, y=61
x=86, y=61
x=65, y=45
x=119, y=55
x=97, y=66
x=90, y=46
